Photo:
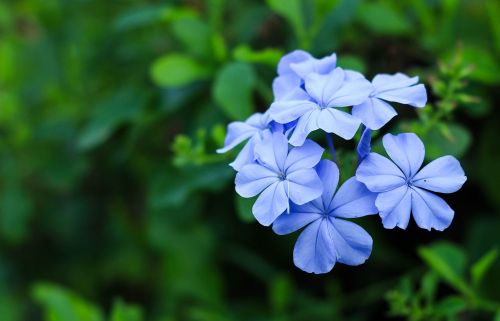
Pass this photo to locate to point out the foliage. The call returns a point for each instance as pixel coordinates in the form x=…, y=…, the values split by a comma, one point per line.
x=110, y=187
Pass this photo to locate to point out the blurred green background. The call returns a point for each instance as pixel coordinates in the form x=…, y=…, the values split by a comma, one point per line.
x=114, y=205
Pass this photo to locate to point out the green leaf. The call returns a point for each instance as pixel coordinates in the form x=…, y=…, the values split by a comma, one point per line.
x=448, y=261
x=173, y=70
x=486, y=65
x=451, y=306
x=479, y=268
x=281, y=293
x=446, y=139
x=194, y=34
x=16, y=209
x=141, y=16
x=493, y=10
x=382, y=18
x=60, y=304
x=497, y=316
x=244, y=208
x=269, y=56
x=233, y=88
x=292, y=11
x=122, y=106
x=352, y=62
x=126, y=312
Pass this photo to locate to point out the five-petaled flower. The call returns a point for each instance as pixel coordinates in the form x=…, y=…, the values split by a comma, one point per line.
x=279, y=175
x=404, y=189
x=329, y=238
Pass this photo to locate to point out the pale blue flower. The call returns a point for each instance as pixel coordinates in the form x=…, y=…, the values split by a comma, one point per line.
x=375, y=112
x=279, y=175
x=404, y=188
x=318, y=106
x=328, y=237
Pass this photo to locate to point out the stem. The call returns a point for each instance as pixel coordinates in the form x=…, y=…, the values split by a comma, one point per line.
x=329, y=141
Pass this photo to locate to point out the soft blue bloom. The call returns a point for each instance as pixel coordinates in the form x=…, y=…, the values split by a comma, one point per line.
x=364, y=145
x=294, y=67
x=375, y=112
x=404, y=189
x=328, y=237
x=317, y=106
x=279, y=175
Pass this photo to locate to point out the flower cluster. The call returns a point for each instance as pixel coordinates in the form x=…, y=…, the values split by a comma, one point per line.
x=297, y=187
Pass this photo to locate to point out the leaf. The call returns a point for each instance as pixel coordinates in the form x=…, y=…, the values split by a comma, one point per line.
x=382, y=18
x=479, y=269
x=141, y=16
x=244, y=208
x=497, y=316
x=493, y=11
x=446, y=139
x=126, y=312
x=60, y=304
x=16, y=209
x=118, y=108
x=292, y=11
x=233, y=88
x=352, y=62
x=173, y=70
x=486, y=66
x=194, y=34
x=451, y=306
x=448, y=261
x=269, y=56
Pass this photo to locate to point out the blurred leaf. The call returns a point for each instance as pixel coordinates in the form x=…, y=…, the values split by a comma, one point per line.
x=141, y=16
x=292, y=11
x=244, y=208
x=60, y=304
x=446, y=139
x=497, y=316
x=451, y=306
x=173, y=187
x=194, y=34
x=482, y=266
x=122, y=106
x=281, y=294
x=429, y=286
x=493, y=10
x=380, y=17
x=448, y=261
x=269, y=56
x=233, y=88
x=16, y=209
x=125, y=312
x=173, y=70
x=486, y=65
x=352, y=62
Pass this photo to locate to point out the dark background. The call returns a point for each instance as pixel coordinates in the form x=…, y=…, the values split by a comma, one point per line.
x=114, y=205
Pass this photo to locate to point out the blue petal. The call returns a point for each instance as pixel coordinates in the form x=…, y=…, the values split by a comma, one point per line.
x=253, y=179
x=272, y=202
x=271, y=151
x=237, y=132
x=285, y=111
x=399, y=88
x=430, y=211
x=313, y=65
x=374, y=113
x=245, y=156
x=303, y=186
x=340, y=123
x=406, y=150
x=322, y=87
x=379, y=174
x=352, y=200
x=300, y=216
x=353, y=244
x=292, y=57
x=306, y=124
x=351, y=75
x=350, y=93
x=305, y=156
x=328, y=172
x=314, y=251
x=443, y=175
x=395, y=207
x=364, y=145
x=286, y=88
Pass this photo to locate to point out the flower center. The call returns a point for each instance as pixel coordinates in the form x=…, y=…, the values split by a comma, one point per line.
x=282, y=176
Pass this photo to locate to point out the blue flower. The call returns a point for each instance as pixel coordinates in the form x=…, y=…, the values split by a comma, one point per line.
x=375, y=112
x=294, y=67
x=316, y=108
x=404, y=189
x=328, y=237
x=279, y=175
